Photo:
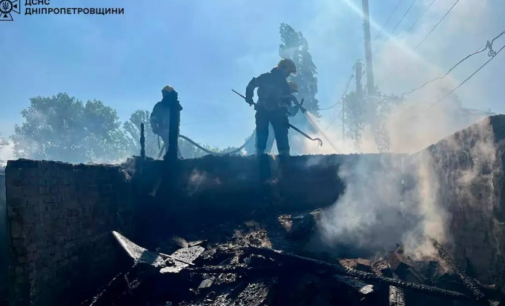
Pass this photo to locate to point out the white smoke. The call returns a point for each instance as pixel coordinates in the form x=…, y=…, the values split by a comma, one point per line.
x=405, y=199
x=6, y=153
x=392, y=199
x=423, y=202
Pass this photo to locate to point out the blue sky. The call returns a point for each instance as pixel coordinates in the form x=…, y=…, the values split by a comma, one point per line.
x=206, y=48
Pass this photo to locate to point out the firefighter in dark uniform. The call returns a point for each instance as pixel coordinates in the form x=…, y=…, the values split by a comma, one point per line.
x=290, y=103
x=272, y=92
x=165, y=121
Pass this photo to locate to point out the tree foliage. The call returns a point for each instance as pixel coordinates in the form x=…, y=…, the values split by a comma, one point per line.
x=368, y=110
x=354, y=117
x=132, y=129
x=153, y=143
x=3, y=142
x=190, y=151
x=66, y=129
x=295, y=47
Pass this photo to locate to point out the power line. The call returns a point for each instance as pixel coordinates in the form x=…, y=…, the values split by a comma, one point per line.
x=440, y=21
x=448, y=72
x=467, y=79
x=341, y=98
x=345, y=92
x=387, y=21
x=492, y=41
x=403, y=17
x=396, y=27
x=334, y=118
x=422, y=15
x=491, y=53
x=424, y=39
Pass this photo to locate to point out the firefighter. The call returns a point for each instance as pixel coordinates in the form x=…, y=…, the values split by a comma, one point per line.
x=291, y=107
x=290, y=103
x=165, y=121
x=272, y=92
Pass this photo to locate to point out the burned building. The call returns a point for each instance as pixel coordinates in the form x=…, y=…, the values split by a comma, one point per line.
x=206, y=232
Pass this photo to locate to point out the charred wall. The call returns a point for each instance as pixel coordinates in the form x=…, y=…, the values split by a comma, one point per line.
x=225, y=188
x=60, y=215
x=60, y=218
x=470, y=170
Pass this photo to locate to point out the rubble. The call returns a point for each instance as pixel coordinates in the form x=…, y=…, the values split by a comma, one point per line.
x=355, y=283
x=246, y=269
x=402, y=265
x=359, y=274
x=396, y=295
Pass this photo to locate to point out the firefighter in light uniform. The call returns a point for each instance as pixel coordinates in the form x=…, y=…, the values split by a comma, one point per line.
x=270, y=109
x=165, y=121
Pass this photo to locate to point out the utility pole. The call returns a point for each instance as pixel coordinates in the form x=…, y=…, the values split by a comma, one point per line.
x=359, y=68
x=368, y=49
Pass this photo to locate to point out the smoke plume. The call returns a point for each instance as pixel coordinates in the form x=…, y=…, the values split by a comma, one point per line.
x=402, y=198
x=406, y=198
x=6, y=152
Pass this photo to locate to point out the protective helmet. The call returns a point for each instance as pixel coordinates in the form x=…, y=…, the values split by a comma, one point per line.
x=167, y=89
x=293, y=86
x=288, y=65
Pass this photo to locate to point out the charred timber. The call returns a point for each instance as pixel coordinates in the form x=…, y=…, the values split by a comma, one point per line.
x=359, y=274
x=396, y=295
x=467, y=281
x=355, y=284
x=242, y=269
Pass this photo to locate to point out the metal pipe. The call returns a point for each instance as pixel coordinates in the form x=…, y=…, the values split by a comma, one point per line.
x=142, y=142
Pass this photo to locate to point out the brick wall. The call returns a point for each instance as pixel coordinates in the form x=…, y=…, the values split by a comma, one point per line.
x=60, y=218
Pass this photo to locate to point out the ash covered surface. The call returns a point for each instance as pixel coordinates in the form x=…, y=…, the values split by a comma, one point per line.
x=268, y=261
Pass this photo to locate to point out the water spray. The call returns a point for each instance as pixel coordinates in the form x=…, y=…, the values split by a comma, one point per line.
x=312, y=120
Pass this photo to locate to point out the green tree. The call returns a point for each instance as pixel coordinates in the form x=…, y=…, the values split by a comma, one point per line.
x=295, y=47
x=371, y=111
x=188, y=150
x=153, y=143
x=3, y=144
x=354, y=117
x=132, y=129
x=65, y=129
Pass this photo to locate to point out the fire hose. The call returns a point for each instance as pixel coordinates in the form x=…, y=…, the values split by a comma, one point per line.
x=212, y=152
x=319, y=141
x=207, y=150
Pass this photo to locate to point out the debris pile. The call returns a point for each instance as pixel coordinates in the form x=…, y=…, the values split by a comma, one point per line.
x=247, y=269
